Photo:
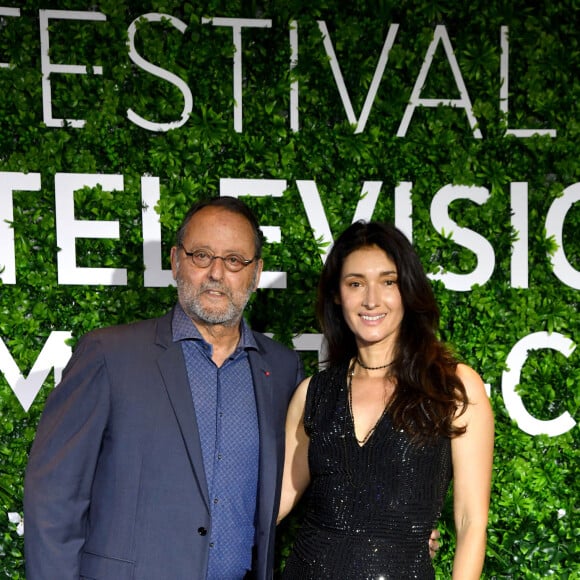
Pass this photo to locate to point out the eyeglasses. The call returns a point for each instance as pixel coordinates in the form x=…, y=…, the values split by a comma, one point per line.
x=204, y=258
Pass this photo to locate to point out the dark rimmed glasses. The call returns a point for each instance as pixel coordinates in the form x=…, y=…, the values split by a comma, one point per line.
x=204, y=258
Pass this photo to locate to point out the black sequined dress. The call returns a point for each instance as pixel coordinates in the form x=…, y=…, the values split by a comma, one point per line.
x=370, y=509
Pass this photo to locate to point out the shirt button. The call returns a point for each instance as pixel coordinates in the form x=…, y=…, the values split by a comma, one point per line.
x=202, y=531
x=215, y=500
x=220, y=455
x=211, y=545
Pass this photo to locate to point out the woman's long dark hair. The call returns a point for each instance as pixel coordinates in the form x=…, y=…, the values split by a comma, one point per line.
x=428, y=393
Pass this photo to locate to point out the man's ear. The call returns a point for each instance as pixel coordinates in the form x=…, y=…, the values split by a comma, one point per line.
x=259, y=266
x=174, y=265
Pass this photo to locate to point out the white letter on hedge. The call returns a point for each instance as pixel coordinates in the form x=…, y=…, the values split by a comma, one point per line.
x=462, y=236
x=511, y=378
x=155, y=276
x=54, y=354
x=404, y=208
x=10, y=182
x=5, y=11
x=293, y=37
x=48, y=68
x=342, y=90
x=554, y=225
x=237, y=24
x=317, y=216
x=504, y=89
x=519, y=262
x=415, y=100
x=159, y=72
x=68, y=229
x=311, y=342
x=260, y=188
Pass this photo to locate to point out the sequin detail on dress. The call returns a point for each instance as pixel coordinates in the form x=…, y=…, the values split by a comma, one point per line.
x=370, y=509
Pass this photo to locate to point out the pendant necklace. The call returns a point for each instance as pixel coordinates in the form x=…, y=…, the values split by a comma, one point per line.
x=362, y=441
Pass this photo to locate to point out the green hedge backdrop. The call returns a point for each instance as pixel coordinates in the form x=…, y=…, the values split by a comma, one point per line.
x=534, y=527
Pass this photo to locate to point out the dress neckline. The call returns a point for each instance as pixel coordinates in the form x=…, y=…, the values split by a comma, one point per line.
x=361, y=443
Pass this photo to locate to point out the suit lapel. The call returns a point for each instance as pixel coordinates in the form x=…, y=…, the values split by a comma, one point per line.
x=261, y=374
x=172, y=368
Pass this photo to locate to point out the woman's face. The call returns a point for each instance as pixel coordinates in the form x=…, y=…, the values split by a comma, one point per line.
x=369, y=295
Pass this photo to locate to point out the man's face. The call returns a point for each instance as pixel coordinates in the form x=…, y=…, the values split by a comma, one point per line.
x=214, y=295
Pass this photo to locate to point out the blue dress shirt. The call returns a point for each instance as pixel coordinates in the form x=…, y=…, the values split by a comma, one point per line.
x=225, y=407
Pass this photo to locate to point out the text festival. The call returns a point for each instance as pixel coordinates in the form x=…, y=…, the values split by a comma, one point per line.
x=237, y=26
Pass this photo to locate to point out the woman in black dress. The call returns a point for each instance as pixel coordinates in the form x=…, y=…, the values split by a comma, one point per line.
x=379, y=433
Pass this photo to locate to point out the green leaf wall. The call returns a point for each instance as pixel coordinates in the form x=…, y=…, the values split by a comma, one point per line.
x=534, y=530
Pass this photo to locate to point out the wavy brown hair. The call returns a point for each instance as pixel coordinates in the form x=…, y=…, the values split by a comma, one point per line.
x=428, y=393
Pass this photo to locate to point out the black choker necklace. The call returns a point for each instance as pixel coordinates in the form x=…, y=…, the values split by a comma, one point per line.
x=372, y=368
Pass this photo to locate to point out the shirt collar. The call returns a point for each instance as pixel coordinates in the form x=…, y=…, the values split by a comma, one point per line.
x=183, y=328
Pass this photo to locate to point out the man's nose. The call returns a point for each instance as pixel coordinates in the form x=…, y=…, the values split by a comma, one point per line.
x=216, y=268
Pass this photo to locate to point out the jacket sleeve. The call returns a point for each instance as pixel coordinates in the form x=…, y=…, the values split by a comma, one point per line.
x=61, y=466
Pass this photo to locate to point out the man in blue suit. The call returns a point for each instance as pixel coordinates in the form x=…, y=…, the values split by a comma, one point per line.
x=159, y=455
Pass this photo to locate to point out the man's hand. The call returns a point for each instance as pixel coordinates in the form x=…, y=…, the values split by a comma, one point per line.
x=434, y=543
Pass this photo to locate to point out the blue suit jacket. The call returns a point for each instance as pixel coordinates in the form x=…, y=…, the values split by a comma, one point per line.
x=115, y=487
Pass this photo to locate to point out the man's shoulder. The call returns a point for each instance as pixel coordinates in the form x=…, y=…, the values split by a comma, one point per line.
x=280, y=358
x=268, y=344
x=134, y=330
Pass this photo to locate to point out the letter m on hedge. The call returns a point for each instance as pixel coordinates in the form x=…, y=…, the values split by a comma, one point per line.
x=54, y=355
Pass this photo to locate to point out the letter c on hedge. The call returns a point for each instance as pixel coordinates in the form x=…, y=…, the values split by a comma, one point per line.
x=511, y=378
x=554, y=227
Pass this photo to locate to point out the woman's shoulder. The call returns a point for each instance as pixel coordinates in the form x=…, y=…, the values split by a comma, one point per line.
x=329, y=375
x=322, y=390
x=479, y=406
x=473, y=383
